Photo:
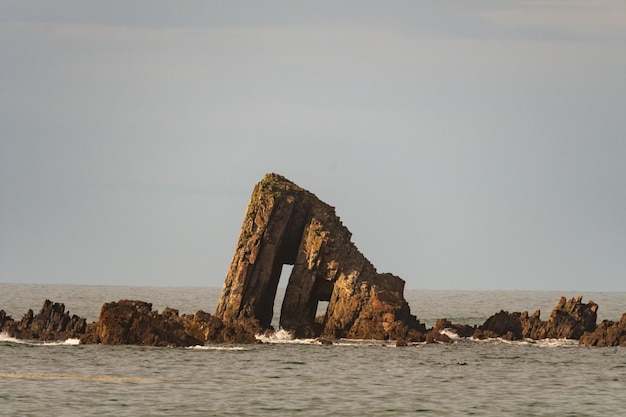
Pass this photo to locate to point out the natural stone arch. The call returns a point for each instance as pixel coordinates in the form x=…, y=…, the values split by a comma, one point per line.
x=286, y=224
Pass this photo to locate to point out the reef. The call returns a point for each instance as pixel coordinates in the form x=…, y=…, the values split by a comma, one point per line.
x=134, y=322
x=287, y=225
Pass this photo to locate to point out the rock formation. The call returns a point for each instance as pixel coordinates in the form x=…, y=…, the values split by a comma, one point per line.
x=286, y=224
x=134, y=322
x=607, y=333
x=569, y=320
x=130, y=322
x=51, y=323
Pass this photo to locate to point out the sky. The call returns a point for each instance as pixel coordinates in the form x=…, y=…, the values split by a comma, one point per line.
x=466, y=145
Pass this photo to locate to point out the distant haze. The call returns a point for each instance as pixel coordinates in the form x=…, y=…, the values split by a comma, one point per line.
x=467, y=145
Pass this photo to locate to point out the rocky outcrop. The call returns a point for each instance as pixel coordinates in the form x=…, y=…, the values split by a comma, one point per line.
x=126, y=322
x=607, y=333
x=569, y=320
x=131, y=322
x=134, y=322
x=51, y=323
x=286, y=224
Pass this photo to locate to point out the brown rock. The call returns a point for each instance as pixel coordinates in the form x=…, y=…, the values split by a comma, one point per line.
x=607, y=333
x=435, y=336
x=502, y=324
x=569, y=320
x=51, y=323
x=133, y=322
x=5, y=321
x=286, y=224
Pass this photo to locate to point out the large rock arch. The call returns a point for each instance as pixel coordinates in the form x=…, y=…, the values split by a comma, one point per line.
x=286, y=224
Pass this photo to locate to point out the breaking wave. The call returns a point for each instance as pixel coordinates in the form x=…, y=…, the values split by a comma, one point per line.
x=450, y=333
x=68, y=342
x=542, y=343
x=284, y=337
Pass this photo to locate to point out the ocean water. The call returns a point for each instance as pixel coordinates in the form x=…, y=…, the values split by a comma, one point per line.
x=300, y=377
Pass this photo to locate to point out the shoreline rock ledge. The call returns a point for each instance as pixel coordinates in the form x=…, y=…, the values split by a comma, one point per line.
x=287, y=225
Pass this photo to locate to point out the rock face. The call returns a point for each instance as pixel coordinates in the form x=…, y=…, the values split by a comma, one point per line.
x=286, y=224
x=51, y=323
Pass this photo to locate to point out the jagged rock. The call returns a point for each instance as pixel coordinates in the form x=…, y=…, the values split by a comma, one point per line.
x=4, y=318
x=51, y=323
x=607, y=333
x=286, y=224
x=569, y=320
x=133, y=322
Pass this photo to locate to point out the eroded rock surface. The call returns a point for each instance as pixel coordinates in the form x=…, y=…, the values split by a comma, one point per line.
x=131, y=322
x=569, y=320
x=607, y=333
x=134, y=322
x=51, y=323
x=286, y=224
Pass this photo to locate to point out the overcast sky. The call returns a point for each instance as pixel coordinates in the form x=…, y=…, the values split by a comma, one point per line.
x=467, y=145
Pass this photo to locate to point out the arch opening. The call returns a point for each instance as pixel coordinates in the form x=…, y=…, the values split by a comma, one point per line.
x=285, y=273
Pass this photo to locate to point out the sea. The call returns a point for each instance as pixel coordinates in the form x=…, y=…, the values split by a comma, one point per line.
x=287, y=377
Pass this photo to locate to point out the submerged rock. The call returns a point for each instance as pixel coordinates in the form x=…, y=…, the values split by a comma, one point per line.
x=286, y=224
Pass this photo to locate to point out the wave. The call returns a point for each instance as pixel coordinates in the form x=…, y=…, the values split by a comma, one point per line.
x=215, y=347
x=450, y=333
x=542, y=343
x=68, y=342
x=282, y=336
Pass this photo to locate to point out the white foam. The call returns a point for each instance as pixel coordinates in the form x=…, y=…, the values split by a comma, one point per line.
x=556, y=343
x=213, y=347
x=450, y=333
x=6, y=338
x=68, y=342
x=284, y=337
x=549, y=343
